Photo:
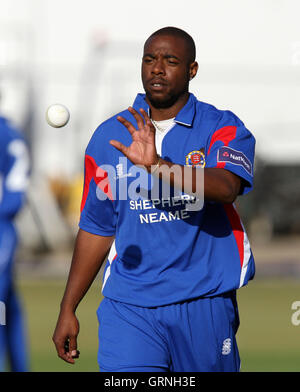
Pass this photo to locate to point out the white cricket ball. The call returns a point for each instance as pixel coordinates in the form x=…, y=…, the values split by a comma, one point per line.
x=57, y=115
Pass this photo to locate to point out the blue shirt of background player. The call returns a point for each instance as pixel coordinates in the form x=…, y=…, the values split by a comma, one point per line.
x=14, y=172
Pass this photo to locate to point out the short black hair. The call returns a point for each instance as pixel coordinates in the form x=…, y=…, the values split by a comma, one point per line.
x=176, y=32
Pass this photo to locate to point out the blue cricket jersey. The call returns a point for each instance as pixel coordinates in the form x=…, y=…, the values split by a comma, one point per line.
x=164, y=252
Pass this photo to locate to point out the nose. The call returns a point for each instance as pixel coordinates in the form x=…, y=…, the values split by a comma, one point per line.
x=158, y=67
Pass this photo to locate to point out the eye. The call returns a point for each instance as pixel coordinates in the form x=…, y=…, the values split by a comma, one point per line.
x=148, y=60
x=172, y=61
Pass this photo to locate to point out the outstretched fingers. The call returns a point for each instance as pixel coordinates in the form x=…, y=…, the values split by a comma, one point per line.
x=127, y=124
x=147, y=120
x=137, y=116
x=141, y=120
x=119, y=146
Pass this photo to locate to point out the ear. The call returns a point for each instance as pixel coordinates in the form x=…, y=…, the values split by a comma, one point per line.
x=193, y=69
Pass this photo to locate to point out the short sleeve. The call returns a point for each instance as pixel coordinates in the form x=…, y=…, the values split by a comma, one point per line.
x=98, y=214
x=232, y=147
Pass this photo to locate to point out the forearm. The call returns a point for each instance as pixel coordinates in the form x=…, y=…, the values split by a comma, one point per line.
x=221, y=185
x=89, y=253
x=212, y=184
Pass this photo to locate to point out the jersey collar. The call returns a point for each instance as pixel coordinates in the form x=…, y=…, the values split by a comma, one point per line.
x=184, y=117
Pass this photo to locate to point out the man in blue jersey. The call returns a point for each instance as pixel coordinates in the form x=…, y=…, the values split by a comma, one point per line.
x=173, y=269
x=14, y=171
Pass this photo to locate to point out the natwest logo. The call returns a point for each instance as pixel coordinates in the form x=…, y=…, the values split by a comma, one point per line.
x=240, y=159
x=228, y=154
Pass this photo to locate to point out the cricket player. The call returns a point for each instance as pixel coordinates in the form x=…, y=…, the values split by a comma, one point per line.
x=14, y=172
x=173, y=269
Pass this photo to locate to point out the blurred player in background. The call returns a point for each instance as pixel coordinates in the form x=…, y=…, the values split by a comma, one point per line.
x=172, y=272
x=14, y=172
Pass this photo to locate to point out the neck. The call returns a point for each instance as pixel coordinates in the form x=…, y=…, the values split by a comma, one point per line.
x=160, y=114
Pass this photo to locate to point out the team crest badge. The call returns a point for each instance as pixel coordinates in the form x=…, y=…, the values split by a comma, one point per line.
x=195, y=158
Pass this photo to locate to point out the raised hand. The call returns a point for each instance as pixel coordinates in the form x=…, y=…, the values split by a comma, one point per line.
x=142, y=150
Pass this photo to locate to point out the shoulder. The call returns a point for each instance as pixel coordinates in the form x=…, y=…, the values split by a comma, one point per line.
x=210, y=112
x=217, y=119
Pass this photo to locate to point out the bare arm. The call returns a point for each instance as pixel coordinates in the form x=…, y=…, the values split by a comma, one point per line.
x=221, y=185
x=89, y=253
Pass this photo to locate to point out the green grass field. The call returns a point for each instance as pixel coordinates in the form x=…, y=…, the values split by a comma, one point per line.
x=268, y=341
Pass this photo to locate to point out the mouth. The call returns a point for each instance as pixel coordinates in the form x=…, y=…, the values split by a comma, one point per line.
x=157, y=85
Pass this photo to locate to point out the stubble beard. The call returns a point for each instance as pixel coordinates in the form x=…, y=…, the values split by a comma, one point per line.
x=163, y=103
x=166, y=101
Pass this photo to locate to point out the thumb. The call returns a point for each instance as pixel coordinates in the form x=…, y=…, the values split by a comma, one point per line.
x=73, y=346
